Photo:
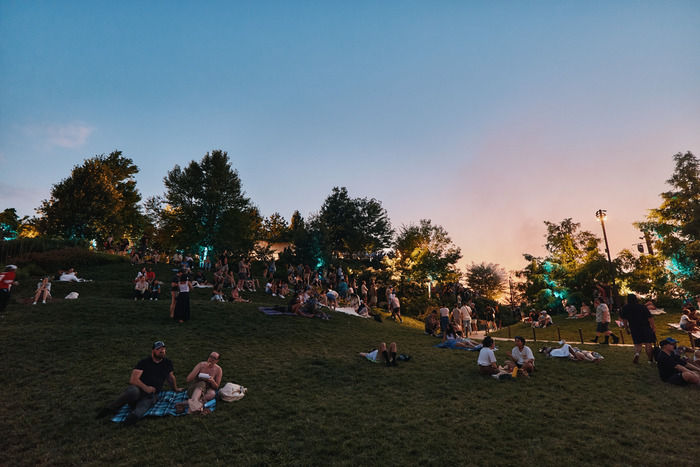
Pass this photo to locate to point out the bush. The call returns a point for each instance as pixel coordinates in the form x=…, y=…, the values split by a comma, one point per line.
x=49, y=262
x=18, y=248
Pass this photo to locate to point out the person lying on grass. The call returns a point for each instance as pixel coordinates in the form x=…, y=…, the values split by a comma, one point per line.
x=487, y=359
x=573, y=353
x=204, y=380
x=389, y=355
x=521, y=356
x=674, y=369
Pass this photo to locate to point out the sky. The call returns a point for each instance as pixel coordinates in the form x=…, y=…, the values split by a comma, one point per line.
x=488, y=118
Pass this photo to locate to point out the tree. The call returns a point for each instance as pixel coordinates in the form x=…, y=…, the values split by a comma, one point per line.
x=97, y=200
x=487, y=278
x=354, y=225
x=570, y=271
x=275, y=228
x=676, y=223
x=204, y=207
x=425, y=252
x=644, y=274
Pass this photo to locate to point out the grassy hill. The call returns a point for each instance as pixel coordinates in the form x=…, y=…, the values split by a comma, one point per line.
x=312, y=400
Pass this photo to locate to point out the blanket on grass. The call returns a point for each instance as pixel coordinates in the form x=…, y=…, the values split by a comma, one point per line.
x=677, y=327
x=165, y=406
x=451, y=344
x=270, y=311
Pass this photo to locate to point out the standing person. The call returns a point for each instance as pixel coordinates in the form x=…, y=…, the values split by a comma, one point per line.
x=602, y=318
x=174, y=289
x=521, y=356
x=271, y=269
x=456, y=319
x=145, y=383
x=242, y=274
x=396, y=307
x=7, y=280
x=388, y=293
x=363, y=291
x=637, y=319
x=444, y=321
x=466, y=315
x=372, y=294
x=182, y=306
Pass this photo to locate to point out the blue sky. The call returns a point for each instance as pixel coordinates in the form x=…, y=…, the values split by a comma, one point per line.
x=486, y=117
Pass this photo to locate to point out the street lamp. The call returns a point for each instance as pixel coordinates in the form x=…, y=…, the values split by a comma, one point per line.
x=601, y=216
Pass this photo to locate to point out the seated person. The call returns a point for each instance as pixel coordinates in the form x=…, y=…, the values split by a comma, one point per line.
x=521, y=357
x=199, y=278
x=532, y=316
x=204, y=381
x=150, y=275
x=672, y=368
x=282, y=288
x=432, y=324
x=69, y=276
x=571, y=311
x=389, y=355
x=216, y=294
x=296, y=306
x=43, y=291
x=154, y=290
x=236, y=296
x=487, y=359
x=543, y=321
x=141, y=289
x=271, y=288
x=687, y=323
x=362, y=310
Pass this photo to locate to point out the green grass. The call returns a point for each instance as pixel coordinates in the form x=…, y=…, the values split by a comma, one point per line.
x=312, y=399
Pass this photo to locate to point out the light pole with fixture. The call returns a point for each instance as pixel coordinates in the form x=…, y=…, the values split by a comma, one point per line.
x=601, y=216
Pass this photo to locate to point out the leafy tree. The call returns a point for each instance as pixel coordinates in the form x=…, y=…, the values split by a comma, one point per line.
x=487, y=278
x=275, y=228
x=644, y=274
x=10, y=224
x=354, y=225
x=676, y=223
x=204, y=206
x=426, y=252
x=572, y=268
x=97, y=200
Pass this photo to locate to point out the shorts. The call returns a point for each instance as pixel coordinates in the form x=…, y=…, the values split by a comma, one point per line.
x=677, y=379
x=444, y=323
x=242, y=276
x=197, y=384
x=602, y=327
x=643, y=336
x=397, y=310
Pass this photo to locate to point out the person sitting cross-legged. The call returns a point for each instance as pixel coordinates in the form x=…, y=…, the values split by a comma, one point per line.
x=521, y=356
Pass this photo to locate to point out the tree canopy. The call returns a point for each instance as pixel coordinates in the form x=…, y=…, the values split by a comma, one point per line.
x=97, y=200
x=204, y=206
x=676, y=223
x=426, y=252
x=486, y=278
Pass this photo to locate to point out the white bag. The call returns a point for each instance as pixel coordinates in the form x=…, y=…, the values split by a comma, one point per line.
x=232, y=392
x=72, y=296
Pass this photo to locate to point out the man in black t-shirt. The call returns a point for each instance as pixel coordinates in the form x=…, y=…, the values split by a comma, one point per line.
x=145, y=383
x=638, y=320
x=672, y=368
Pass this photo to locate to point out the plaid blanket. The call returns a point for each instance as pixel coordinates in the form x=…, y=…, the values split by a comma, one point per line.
x=165, y=406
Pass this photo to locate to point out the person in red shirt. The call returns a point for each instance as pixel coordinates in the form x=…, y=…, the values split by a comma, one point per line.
x=7, y=280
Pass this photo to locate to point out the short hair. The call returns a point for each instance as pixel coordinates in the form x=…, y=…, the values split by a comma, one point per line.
x=632, y=299
x=520, y=338
x=487, y=342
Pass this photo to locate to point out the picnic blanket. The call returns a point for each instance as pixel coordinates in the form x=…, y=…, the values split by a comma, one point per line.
x=349, y=311
x=450, y=344
x=271, y=311
x=677, y=327
x=165, y=406
x=658, y=311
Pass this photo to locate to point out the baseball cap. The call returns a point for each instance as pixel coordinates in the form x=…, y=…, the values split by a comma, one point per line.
x=668, y=340
x=158, y=345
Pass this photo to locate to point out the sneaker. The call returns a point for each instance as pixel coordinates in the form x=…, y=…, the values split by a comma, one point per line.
x=495, y=377
x=43, y=302
x=34, y=303
x=635, y=360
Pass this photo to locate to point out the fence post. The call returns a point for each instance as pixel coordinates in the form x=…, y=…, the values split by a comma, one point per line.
x=559, y=332
x=622, y=337
x=508, y=332
x=534, y=335
x=580, y=334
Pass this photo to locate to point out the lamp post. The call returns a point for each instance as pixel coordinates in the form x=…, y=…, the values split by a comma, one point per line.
x=601, y=216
